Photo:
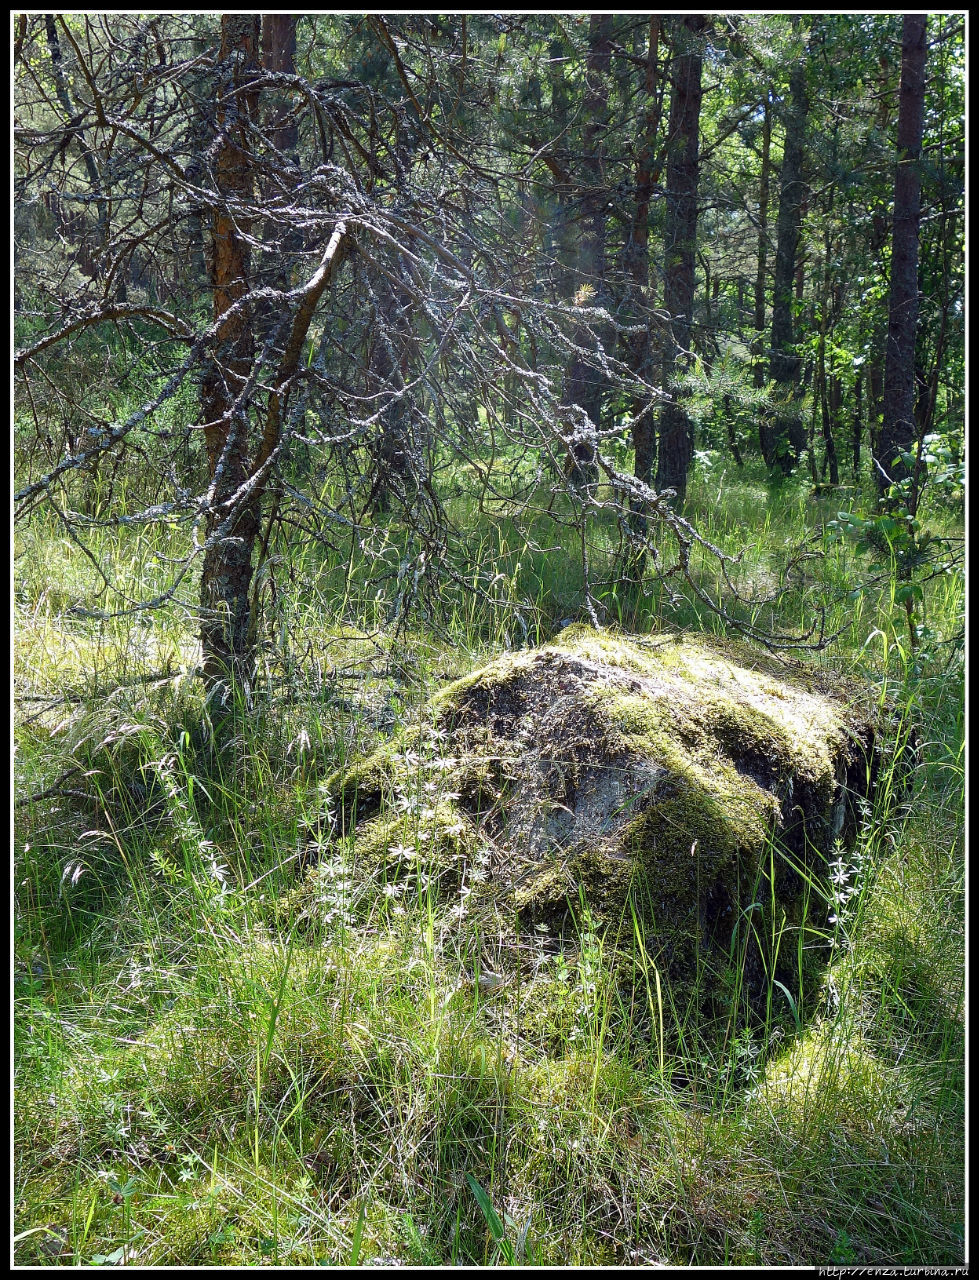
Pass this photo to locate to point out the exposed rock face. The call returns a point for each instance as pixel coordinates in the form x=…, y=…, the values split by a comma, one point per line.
x=696, y=785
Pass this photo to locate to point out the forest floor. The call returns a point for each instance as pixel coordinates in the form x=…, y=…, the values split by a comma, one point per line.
x=208, y=1075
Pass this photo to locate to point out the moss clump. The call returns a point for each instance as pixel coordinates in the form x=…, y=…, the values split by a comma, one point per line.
x=361, y=788
x=682, y=778
x=433, y=845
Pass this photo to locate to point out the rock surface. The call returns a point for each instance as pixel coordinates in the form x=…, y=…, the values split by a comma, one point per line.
x=696, y=785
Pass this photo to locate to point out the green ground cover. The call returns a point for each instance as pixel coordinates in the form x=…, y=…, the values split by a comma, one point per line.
x=208, y=1071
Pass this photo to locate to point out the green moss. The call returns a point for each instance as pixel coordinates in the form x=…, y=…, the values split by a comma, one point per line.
x=784, y=704
x=361, y=788
x=602, y=766
x=505, y=669
x=435, y=842
x=710, y=790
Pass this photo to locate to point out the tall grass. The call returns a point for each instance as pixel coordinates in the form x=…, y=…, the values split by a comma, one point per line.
x=210, y=1074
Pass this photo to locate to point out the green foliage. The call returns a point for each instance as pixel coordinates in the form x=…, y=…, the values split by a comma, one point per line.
x=257, y=1093
x=243, y=1037
x=896, y=539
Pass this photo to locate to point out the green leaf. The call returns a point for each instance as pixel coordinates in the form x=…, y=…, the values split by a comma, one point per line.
x=792, y=1004
x=493, y=1221
x=358, y=1237
x=33, y=1231
x=109, y=1259
x=486, y=1205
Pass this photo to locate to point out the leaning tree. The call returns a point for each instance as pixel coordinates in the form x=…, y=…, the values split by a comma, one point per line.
x=247, y=251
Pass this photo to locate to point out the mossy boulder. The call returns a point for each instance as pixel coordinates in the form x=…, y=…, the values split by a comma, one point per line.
x=681, y=780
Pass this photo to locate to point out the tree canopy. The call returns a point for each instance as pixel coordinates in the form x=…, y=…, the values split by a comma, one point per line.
x=299, y=273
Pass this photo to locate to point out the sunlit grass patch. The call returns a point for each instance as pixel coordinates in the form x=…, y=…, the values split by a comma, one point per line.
x=209, y=1075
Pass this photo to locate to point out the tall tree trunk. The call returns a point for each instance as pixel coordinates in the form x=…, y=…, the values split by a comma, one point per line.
x=761, y=274
x=827, y=404
x=897, y=434
x=194, y=272
x=636, y=261
x=584, y=385
x=857, y=421
x=279, y=56
x=282, y=244
x=239, y=465
x=875, y=403
x=88, y=262
x=827, y=384
x=639, y=352
x=784, y=438
x=835, y=405
x=395, y=468
x=727, y=409
x=232, y=522
x=682, y=175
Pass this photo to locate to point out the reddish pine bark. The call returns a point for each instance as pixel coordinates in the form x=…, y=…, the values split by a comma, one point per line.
x=232, y=522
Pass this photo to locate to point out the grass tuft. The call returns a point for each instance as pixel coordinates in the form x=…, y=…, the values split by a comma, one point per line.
x=242, y=1040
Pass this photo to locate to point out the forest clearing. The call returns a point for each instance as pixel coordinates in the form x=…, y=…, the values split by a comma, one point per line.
x=489, y=640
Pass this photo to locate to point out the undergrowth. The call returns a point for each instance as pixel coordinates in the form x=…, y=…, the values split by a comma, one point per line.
x=204, y=1077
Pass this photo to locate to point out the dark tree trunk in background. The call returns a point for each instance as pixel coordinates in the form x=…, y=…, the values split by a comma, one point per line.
x=278, y=181
x=827, y=385
x=857, y=421
x=88, y=262
x=831, y=421
x=195, y=271
x=727, y=408
x=784, y=438
x=828, y=404
x=584, y=385
x=636, y=262
x=897, y=434
x=761, y=274
x=875, y=404
x=279, y=55
x=682, y=174
x=395, y=472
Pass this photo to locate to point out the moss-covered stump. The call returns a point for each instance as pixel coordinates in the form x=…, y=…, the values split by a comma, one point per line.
x=697, y=786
